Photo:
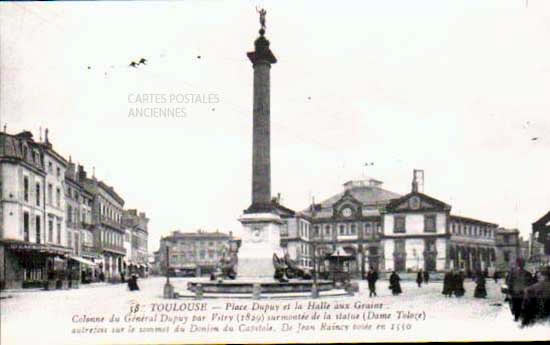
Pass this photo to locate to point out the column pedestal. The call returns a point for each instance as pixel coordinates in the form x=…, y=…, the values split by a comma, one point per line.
x=260, y=240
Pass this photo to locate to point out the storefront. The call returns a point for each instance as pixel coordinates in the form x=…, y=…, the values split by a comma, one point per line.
x=32, y=265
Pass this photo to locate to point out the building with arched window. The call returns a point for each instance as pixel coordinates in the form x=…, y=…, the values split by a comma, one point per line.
x=388, y=231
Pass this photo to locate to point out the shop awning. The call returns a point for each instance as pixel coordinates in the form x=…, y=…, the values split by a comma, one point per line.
x=82, y=260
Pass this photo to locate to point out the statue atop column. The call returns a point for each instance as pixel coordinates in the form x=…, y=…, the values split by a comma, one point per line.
x=262, y=12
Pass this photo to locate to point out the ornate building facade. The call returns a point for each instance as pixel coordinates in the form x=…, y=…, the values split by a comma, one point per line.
x=32, y=239
x=388, y=231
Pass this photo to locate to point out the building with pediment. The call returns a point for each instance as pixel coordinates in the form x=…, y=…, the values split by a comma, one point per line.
x=388, y=231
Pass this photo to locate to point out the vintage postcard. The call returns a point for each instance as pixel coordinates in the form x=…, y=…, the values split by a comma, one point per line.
x=177, y=172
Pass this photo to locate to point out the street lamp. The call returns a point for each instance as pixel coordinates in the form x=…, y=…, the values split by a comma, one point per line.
x=168, y=288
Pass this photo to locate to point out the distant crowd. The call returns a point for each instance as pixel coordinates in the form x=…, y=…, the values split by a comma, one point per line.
x=527, y=294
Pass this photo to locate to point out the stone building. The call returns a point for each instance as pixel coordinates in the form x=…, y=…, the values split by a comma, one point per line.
x=32, y=209
x=108, y=227
x=137, y=258
x=195, y=253
x=507, y=243
x=351, y=220
x=79, y=225
x=387, y=231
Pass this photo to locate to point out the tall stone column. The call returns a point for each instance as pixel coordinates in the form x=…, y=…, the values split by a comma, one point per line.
x=261, y=236
x=261, y=59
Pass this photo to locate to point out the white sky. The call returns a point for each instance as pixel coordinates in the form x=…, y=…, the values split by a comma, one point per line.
x=457, y=88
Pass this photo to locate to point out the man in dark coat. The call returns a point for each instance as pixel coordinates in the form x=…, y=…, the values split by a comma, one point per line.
x=536, y=300
x=395, y=286
x=419, y=278
x=448, y=283
x=458, y=284
x=517, y=280
x=426, y=276
x=372, y=277
x=132, y=283
x=480, y=291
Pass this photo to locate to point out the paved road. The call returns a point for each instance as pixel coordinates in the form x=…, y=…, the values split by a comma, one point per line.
x=46, y=316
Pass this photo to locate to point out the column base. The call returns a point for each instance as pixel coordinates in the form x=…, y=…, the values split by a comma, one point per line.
x=260, y=240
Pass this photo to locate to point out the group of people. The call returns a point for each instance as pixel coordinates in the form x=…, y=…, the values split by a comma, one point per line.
x=395, y=285
x=453, y=284
x=528, y=295
x=422, y=277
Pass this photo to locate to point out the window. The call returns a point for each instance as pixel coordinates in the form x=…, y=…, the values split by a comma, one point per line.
x=26, y=188
x=506, y=239
x=327, y=230
x=50, y=194
x=507, y=256
x=58, y=197
x=429, y=223
x=58, y=232
x=50, y=230
x=342, y=229
x=69, y=214
x=353, y=229
x=399, y=255
x=38, y=229
x=429, y=245
x=26, y=225
x=316, y=231
x=69, y=239
x=399, y=224
x=76, y=243
x=58, y=171
x=400, y=246
x=38, y=194
x=50, y=167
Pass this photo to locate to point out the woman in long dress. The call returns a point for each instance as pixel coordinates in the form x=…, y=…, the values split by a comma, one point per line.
x=480, y=291
x=395, y=286
x=458, y=285
x=448, y=284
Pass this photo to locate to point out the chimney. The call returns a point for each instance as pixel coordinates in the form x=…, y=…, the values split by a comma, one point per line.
x=418, y=181
x=81, y=173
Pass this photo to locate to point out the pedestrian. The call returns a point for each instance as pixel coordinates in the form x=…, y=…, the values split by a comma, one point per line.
x=495, y=277
x=426, y=276
x=448, y=283
x=419, y=278
x=517, y=280
x=101, y=276
x=536, y=300
x=372, y=277
x=458, y=284
x=122, y=276
x=395, y=286
x=480, y=291
x=132, y=283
